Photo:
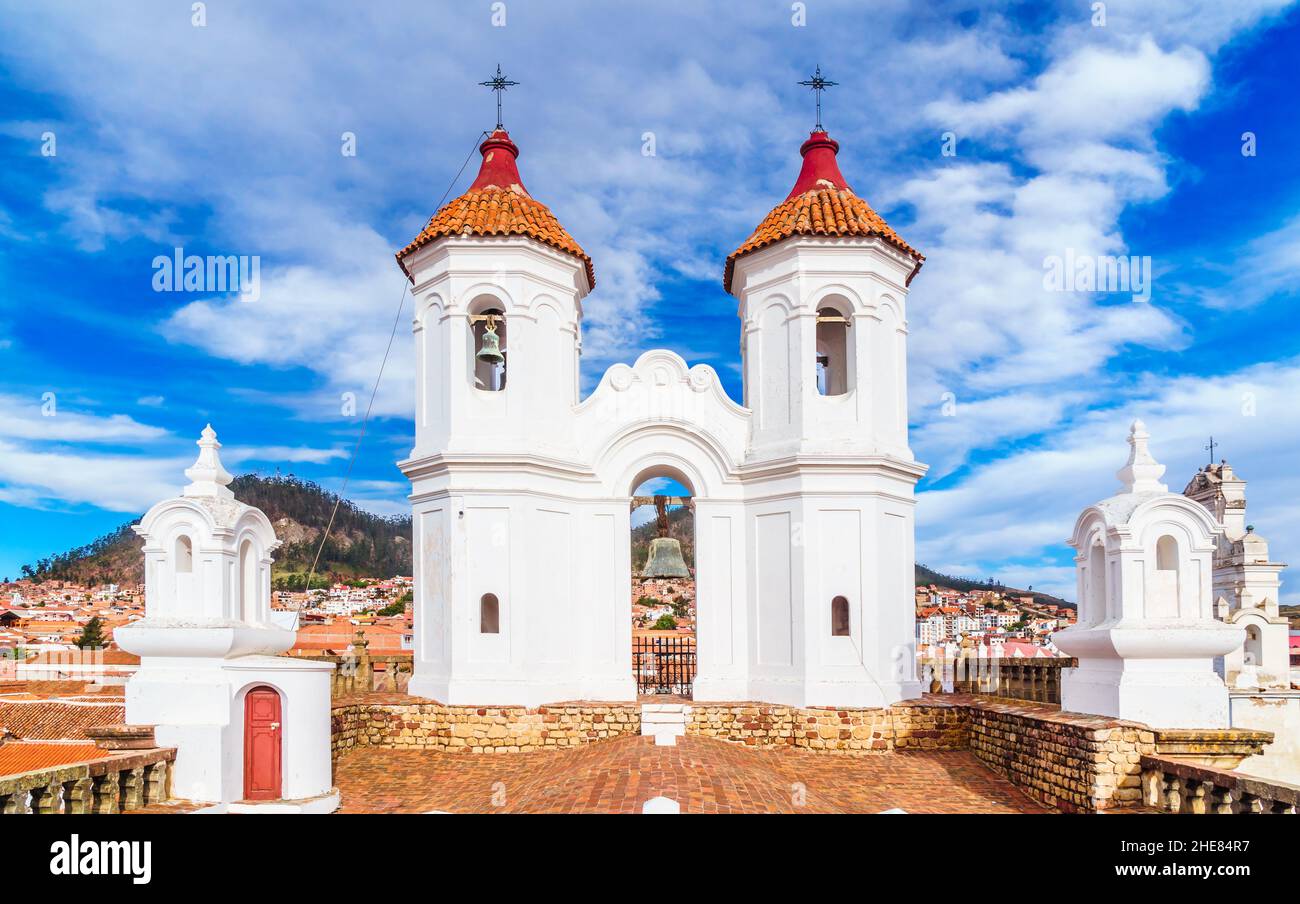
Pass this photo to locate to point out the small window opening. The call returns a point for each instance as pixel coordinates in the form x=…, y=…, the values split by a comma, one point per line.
x=840, y=617
x=489, y=614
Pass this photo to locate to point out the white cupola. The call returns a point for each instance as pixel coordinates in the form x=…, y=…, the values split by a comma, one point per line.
x=207, y=569
x=250, y=728
x=1146, y=637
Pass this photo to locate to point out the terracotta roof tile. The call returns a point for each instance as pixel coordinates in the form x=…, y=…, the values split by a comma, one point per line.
x=498, y=204
x=54, y=720
x=17, y=758
x=820, y=204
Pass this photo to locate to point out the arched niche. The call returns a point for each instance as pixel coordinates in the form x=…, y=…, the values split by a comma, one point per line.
x=182, y=566
x=489, y=614
x=840, y=625
x=1096, y=599
x=1164, y=577
x=248, y=588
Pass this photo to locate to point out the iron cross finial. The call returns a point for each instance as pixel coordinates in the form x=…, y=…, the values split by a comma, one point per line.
x=1210, y=448
x=498, y=84
x=818, y=85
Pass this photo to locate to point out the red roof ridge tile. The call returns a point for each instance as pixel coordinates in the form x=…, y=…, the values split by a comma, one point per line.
x=820, y=204
x=497, y=203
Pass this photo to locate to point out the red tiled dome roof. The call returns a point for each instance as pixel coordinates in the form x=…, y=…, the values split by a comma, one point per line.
x=498, y=204
x=821, y=203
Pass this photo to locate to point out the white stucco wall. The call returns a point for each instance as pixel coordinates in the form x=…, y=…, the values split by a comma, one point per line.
x=524, y=493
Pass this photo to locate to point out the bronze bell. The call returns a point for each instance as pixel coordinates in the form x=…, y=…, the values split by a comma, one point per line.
x=490, y=351
x=665, y=559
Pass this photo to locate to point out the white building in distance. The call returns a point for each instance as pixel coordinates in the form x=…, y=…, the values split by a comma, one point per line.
x=1246, y=583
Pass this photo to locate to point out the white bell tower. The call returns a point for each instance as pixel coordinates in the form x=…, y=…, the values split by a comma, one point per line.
x=498, y=285
x=822, y=284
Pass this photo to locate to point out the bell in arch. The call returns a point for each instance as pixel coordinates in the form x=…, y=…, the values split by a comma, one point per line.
x=490, y=351
x=665, y=559
x=665, y=556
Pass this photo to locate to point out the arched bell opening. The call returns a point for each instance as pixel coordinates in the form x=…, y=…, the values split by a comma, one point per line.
x=833, y=365
x=488, y=366
x=1253, y=650
x=663, y=614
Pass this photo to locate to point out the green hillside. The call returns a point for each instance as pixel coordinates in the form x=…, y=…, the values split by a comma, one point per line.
x=361, y=544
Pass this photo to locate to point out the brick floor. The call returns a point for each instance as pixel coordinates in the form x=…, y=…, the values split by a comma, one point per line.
x=702, y=774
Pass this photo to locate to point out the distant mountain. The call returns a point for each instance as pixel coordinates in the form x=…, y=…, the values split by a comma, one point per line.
x=925, y=577
x=360, y=544
x=1292, y=613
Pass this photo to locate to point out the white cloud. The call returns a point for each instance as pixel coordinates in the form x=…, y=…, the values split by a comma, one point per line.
x=1095, y=93
x=22, y=418
x=121, y=483
x=238, y=455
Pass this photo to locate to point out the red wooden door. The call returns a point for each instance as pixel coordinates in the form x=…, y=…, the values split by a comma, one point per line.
x=262, y=744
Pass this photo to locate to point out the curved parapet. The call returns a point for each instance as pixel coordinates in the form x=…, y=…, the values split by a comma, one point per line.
x=672, y=410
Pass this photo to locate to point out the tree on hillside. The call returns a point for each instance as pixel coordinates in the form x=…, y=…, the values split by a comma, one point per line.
x=92, y=636
x=666, y=623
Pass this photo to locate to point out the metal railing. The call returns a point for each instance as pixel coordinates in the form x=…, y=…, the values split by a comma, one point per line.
x=664, y=665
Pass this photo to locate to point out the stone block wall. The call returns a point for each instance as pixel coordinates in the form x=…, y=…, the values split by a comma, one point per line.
x=1071, y=762
x=1067, y=761
x=400, y=722
x=860, y=731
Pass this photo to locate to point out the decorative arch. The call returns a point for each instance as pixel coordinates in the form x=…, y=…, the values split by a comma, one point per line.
x=838, y=290
x=891, y=304
x=484, y=294
x=776, y=299
x=254, y=541
x=430, y=301
x=701, y=463
x=672, y=471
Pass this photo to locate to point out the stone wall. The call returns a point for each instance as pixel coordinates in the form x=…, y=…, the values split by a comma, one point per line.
x=907, y=726
x=1072, y=762
x=399, y=721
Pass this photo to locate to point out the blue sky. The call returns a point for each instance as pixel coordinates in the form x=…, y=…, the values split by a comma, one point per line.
x=225, y=139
